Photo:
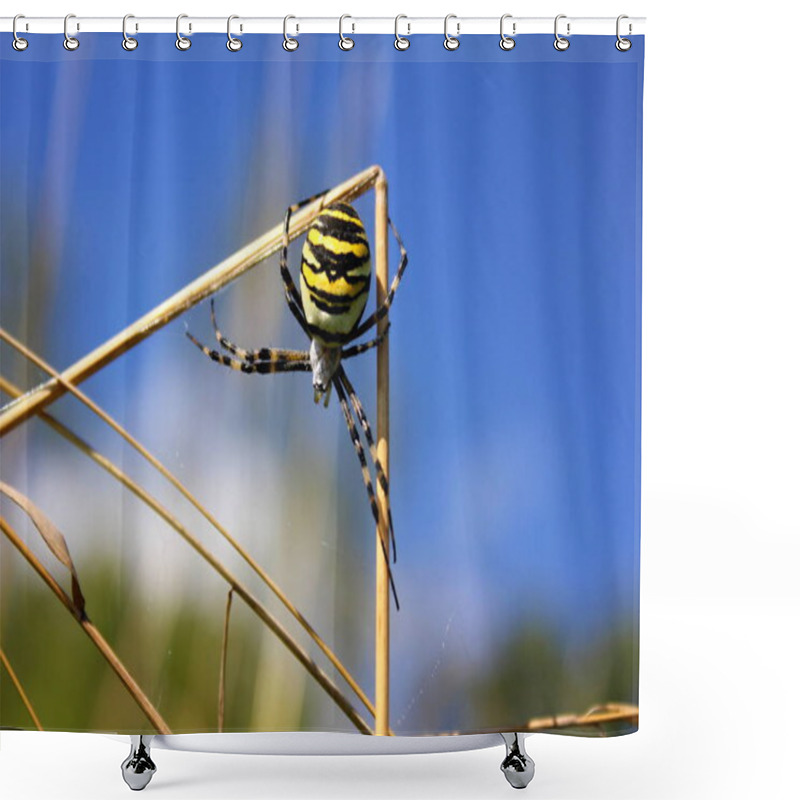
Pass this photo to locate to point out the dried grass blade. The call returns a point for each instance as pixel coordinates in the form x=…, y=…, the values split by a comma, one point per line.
x=52, y=537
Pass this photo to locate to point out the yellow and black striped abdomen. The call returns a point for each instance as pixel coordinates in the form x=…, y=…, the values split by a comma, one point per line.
x=335, y=274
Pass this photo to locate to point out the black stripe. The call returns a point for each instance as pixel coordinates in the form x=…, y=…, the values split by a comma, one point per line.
x=334, y=309
x=333, y=339
x=348, y=230
x=339, y=263
x=334, y=274
x=337, y=299
x=339, y=229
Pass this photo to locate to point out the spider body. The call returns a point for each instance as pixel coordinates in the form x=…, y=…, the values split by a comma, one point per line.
x=335, y=274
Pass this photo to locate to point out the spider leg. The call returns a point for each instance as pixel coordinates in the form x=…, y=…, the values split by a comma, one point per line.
x=351, y=427
x=263, y=354
x=378, y=315
x=251, y=367
x=356, y=350
x=380, y=473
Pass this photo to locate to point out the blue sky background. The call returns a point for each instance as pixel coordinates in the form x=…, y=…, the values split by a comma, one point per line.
x=515, y=181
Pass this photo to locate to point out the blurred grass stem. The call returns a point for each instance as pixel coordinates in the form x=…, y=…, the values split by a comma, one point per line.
x=222, y=664
x=20, y=690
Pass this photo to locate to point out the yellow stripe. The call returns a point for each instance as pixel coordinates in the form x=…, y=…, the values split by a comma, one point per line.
x=340, y=287
x=338, y=246
x=336, y=214
x=308, y=255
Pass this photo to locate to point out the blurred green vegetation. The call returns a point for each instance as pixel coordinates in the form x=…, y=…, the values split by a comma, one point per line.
x=174, y=654
x=535, y=677
x=534, y=674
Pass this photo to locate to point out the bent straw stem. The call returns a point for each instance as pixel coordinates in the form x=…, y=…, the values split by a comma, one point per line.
x=208, y=283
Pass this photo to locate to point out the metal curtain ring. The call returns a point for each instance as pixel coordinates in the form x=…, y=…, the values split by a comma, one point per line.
x=70, y=42
x=622, y=44
x=233, y=44
x=181, y=42
x=18, y=43
x=507, y=42
x=345, y=43
x=560, y=43
x=289, y=44
x=128, y=42
x=451, y=42
x=400, y=42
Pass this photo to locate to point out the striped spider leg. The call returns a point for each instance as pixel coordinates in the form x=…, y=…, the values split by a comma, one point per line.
x=263, y=361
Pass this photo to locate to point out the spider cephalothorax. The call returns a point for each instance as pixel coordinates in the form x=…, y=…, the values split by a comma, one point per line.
x=324, y=363
x=335, y=274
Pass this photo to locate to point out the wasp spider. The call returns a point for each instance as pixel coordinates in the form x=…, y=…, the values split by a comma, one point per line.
x=335, y=274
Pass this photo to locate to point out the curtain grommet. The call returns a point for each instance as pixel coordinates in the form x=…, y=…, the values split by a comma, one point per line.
x=129, y=43
x=181, y=42
x=233, y=44
x=70, y=42
x=451, y=42
x=561, y=43
x=345, y=42
x=18, y=43
x=507, y=42
x=401, y=42
x=290, y=44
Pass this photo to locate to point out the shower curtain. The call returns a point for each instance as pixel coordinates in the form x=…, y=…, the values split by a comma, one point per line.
x=189, y=512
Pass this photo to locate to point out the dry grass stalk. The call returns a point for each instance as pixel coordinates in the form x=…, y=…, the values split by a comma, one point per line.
x=20, y=690
x=141, y=699
x=156, y=464
x=204, y=286
x=594, y=717
x=222, y=664
x=313, y=669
